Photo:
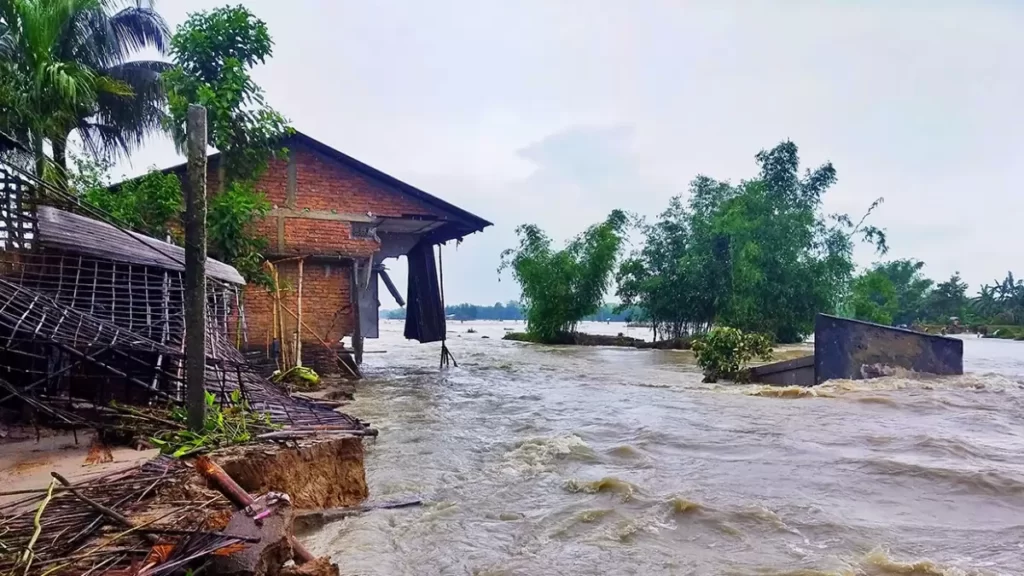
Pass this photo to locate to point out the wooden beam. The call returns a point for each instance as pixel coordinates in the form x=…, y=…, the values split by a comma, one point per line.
x=357, y=329
x=321, y=215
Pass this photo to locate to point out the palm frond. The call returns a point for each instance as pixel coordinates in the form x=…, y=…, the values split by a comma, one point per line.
x=139, y=114
x=138, y=27
x=101, y=140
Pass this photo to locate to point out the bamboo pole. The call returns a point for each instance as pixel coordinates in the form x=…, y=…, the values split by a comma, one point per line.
x=298, y=321
x=322, y=341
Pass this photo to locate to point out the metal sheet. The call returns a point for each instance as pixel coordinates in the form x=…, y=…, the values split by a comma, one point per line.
x=369, y=313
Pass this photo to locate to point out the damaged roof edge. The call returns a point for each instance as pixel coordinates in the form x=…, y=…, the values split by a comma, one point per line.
x=472, y=222
x=83, y=235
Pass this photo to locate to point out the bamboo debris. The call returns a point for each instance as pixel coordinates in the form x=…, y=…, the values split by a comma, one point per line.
x=73, y=519
x=117, y=517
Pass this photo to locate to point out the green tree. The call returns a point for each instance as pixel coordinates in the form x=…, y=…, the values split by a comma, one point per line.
x=874, y=298
x=1002, y=302
x=150, y=204
x=682, y=273
x=947, y=300
x=759, y=256
x=213, y=53
x=67, y=66
x=911, y=288
x=561, y=287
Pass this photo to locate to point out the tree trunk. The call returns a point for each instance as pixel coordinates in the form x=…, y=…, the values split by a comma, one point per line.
x=37, y=147
x=60, y=160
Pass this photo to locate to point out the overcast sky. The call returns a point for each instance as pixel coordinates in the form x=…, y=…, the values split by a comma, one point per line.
x=558, y=111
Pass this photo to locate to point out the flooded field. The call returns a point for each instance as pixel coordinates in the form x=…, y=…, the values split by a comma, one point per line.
x=541, y=460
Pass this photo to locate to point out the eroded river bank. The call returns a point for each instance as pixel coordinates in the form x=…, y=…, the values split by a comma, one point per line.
x=616, y=461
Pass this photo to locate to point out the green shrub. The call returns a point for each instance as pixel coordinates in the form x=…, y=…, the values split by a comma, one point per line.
x=724, y=352
x=233, y=423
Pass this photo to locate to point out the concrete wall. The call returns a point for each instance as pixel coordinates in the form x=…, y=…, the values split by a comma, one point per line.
x=795, y=372
x=856, y=350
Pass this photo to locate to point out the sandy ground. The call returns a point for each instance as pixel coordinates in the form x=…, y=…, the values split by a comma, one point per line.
x=25, y=464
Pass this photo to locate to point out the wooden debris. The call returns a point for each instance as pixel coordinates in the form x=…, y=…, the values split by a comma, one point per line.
x=220, y=480
x=264, y=558
x=115, y=516
x=314, y=520
x=99, y=453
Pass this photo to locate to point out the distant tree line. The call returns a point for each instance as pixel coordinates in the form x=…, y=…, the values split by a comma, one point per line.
x=512, y=310
x=898, y=293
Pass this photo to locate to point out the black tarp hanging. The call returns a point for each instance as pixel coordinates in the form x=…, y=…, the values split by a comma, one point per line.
x=424, y=314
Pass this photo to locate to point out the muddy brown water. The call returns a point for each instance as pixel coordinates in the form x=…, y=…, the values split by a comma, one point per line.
x=545, y=460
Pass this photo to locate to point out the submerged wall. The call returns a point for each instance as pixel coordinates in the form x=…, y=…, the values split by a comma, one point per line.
x=856, y=350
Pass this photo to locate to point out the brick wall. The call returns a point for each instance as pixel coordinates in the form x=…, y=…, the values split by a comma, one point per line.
x=322, y=184
x=325, y=186
x=326, y=304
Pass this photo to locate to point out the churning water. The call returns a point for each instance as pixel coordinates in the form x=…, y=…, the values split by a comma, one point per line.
x=545, y=460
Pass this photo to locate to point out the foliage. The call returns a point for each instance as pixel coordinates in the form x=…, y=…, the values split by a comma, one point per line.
x=213, y=52
x=911, y=289
x=298, y=377
x=724, y=352
x=915, y=299
x=229, y=221
x=150, y=204
x=67, y=67
x=759, y=255
x=874, y=298
x=1002, y=302
x=948, y=299
x=682, y=272
x=233, y=423
x=561, y=287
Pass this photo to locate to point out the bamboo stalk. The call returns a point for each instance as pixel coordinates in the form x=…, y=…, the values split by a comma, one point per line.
x=29, y=555
x=116, y=516
x=298, y=322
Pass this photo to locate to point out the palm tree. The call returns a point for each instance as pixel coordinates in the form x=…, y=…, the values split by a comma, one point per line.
x=73, y=61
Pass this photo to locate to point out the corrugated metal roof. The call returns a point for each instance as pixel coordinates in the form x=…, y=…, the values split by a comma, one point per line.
x=82, y=235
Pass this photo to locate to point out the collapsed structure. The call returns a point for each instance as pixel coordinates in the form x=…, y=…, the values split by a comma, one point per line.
x=92, y=325
x=90, y=313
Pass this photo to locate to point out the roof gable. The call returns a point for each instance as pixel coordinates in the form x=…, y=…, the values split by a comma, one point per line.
x=461, y=222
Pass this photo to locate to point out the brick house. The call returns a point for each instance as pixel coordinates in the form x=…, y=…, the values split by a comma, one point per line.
x=342, y=218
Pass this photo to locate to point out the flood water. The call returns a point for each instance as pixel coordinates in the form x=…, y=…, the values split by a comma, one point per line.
x=546, y=460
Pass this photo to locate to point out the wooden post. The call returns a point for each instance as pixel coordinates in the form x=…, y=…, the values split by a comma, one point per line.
x=357, y=329
x=195, y=268
x=298, y=321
